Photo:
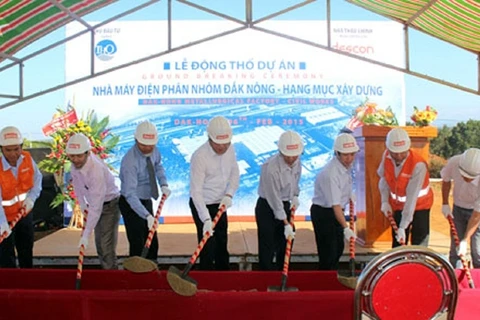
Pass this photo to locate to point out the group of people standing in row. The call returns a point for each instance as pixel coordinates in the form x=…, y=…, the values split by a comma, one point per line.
x=214, y=179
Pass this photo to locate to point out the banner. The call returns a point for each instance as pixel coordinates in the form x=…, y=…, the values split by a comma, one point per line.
x=60, y=122
x=263, y=84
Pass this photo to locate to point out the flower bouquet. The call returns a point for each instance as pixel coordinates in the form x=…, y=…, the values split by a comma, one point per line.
x=423, y=118
x=369, y=113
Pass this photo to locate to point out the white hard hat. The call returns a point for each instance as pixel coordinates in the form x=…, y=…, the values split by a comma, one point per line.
x=146, y=133
x=10, y=136
x=78, y=144
x=290, y=144
x=219, y=130
x=469, y=164
x=345, y=143
x=398, y=140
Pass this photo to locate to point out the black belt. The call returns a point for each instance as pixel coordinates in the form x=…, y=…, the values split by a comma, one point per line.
x=108, y=202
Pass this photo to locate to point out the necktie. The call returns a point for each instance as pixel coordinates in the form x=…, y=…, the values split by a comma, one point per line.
x=152, y=178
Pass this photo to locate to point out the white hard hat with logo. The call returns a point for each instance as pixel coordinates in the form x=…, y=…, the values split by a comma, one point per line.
x=290, y=144
x=398, y=140
x=146, y=133
x=469, y=164
x=10, y=136
x=219, y=130
x=345, y=143
x=78, y=144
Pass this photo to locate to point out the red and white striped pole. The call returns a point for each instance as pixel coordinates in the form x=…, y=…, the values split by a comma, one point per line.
x=462, y=257
x=152, y=230
x=17, y=218
x=394, y=226
x=81, y=254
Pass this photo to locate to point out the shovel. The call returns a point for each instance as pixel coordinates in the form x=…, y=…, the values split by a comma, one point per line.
x=141, y=264
x=394, y=226
x=286, y=262
x=462, y=257
x=179, y=281
x=349, y=277
x=81, y=254
x=13, y=223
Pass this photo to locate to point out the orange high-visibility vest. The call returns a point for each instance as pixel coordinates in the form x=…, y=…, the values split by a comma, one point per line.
x=14, y=190
x=398, y=185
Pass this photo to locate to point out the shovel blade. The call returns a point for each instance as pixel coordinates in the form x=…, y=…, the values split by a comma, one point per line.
x=346, y=278
x=181, y=284
x=139, y=265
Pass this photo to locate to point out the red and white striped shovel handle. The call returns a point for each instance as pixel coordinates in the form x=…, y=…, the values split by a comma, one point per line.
x=81, y=253
x=462, y=257
x=351, y=224
x=17, y=218
x=152, y=230
x=207, y=235
x=394, y=226
x=288, y=249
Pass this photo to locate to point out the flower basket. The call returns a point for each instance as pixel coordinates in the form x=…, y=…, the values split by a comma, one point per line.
x=368, y=113
x=423, y=118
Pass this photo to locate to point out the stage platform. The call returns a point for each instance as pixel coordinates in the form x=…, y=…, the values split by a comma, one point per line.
x=178, y=241
x=116, y=294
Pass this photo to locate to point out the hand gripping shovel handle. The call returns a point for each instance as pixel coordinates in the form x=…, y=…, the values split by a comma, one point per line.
x=288, y=252
x=394, y=225
x=13, y=223
x=202, y=243
x=81, y=254
x=462, y=257
x=152, y=230
x=352, y=239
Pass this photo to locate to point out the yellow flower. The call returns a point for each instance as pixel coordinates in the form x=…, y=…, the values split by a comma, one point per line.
x=424, y=117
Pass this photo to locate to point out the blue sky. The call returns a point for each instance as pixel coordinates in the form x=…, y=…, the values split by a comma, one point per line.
x=428, y=55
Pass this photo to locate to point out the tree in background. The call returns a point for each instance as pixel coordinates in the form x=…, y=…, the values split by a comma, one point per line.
x=452, y=141
x=455, y=140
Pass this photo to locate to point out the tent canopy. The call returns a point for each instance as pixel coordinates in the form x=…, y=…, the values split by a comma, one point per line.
x=455, y=21
x=22, y=22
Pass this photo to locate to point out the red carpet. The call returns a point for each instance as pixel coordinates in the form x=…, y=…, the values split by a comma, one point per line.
x=468, y=307
x=51, y=294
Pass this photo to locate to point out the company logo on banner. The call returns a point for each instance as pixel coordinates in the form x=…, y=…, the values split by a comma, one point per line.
x=105, y=50
x=263, y=84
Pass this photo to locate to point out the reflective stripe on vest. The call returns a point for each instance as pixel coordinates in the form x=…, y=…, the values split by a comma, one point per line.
x=422, y=193
x=11, y=202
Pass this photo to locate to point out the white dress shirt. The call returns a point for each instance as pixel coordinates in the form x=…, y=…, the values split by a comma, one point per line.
x=413, y=188
x=212, y=176
x=278, y=183
x=333, y=185
x=93, y=184
x=465, y=194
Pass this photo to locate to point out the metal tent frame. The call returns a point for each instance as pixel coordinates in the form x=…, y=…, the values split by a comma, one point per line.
x=247, y=23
